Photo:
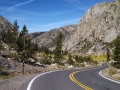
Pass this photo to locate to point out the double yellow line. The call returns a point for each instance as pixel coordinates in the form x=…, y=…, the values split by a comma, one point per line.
x=71, y=76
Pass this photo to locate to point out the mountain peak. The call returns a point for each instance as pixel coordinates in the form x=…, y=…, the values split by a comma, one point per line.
x=99, y=25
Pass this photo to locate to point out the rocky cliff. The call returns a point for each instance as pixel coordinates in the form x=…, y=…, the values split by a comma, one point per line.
x=48, y=39
x=35, y=34
x=99, y=27
x=5, y=25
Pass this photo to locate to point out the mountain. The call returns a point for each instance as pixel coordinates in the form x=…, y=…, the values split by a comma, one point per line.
x=34, y=35
x=48, y=39
x=5, y=25
x=93, y=34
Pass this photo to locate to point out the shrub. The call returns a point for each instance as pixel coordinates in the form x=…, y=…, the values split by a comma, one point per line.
x=45, y=60
x=112, y=71
x=4, y=73
x=70, y=60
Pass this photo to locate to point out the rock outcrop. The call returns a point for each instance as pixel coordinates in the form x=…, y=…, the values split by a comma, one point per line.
x=35, y=34
x=99, y=26
x=5, y=25
x=48, y=39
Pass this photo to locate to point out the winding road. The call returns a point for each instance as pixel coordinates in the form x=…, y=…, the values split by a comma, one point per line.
x=79, y=79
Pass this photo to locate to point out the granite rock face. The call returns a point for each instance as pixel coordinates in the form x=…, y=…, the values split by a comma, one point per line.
x=5, y=25
x=35, y=34
x=48, y=39
x=99, y=25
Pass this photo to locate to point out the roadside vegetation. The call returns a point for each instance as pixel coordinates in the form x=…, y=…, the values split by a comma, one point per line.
x=19, y=48
x=116, y=53
x=114, y=70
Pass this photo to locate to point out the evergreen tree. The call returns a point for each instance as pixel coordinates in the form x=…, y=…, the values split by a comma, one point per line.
x=25, y=47
x=1, y=68
x=22, y=40
x=1, y=46
x=117, y=52
x=81, y=59
x=77, y=58
x=4, y=36
x=70, y=60
x=16, y=27
x=58, y=47
x=108, y=54
x=12, y=36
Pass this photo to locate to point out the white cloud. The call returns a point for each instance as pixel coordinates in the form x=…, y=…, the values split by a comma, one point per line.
x=47, y=14
x=61, y=23
x=52, y=25
x=77, y=4
x=20, y=4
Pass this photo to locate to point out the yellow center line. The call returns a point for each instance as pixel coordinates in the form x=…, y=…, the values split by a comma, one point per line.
x=71, y=76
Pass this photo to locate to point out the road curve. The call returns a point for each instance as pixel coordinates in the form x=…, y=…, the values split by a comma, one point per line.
x=60, y=80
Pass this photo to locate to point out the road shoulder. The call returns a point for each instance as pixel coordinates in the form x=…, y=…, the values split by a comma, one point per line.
x=106, y=76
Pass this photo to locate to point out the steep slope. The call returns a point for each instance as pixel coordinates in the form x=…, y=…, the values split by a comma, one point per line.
x=5, y=25
x=48, y=39
x=34, y=35
x=98, y=28
x=99, y=25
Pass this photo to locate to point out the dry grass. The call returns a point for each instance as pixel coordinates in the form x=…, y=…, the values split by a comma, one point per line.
x=112, y=71
x=99, y=58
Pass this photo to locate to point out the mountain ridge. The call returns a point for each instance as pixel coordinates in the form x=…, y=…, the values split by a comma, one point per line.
x=5, y=25
x=99, y=25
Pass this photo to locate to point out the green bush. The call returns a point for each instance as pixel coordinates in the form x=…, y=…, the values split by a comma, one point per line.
x=4, y=73
x=70, y=60
x=45, y=60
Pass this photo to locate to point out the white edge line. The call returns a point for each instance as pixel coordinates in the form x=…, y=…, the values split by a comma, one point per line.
x=108, y=78
x=31, y=82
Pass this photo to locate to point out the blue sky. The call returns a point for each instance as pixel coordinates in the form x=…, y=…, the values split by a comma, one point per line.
x=43, y=15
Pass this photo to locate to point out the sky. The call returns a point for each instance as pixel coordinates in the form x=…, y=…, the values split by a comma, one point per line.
x=43, y=15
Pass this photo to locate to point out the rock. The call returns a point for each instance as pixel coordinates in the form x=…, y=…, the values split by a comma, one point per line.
x=5, y=25
x=116, y=76
x=71, y=66
x=35, y=34
x=5, y=63
x=99, y=25
x=38, y=64
x=119, y=71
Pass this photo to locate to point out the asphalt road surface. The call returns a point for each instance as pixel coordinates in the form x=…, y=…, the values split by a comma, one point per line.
x=80, y=79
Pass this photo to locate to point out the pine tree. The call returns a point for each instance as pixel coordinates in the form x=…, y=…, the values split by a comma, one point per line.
x=22, y=40
x=58, y=47
x=117, y=52
x=1, y=46
x=25, y=47
x=12, y=35
x=81, y=59
x=1, y=68
x=77, y=58
x=70, y=60
x=108, y=54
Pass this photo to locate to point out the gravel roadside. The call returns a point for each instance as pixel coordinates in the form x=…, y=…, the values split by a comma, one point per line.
x=15, y=83
x=21, y=82
x=105, y=73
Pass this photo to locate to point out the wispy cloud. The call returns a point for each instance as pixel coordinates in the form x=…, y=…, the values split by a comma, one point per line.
x=47, y=14
x=20, y=4
x=77, y=4
x=62, y=22
x=47, y=27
